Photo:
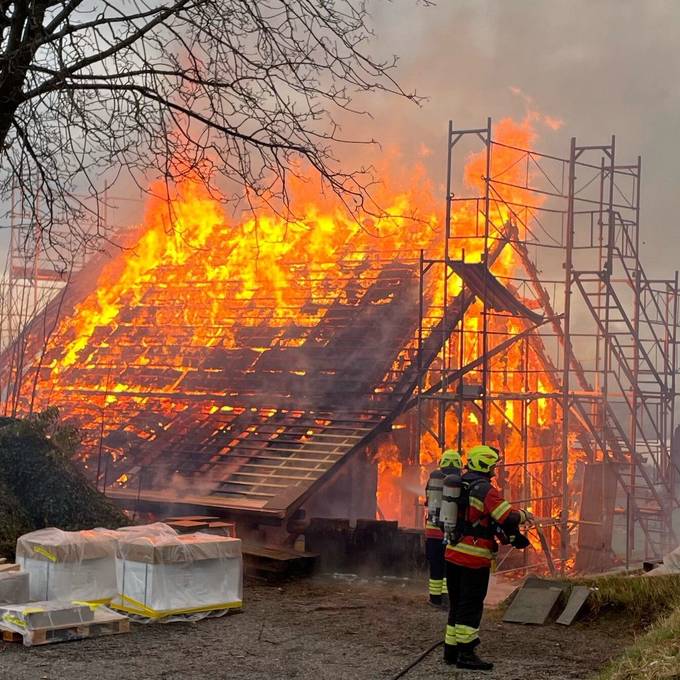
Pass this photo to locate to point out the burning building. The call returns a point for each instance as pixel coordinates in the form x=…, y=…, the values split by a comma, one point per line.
x=320, y=362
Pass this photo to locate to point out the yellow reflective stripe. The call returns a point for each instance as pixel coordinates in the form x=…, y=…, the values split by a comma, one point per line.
x=445, y=590
x=435, y=586
x=476, y=503
x=501, y=509
x=474, y=550
x=466, y=634
x=450, y=635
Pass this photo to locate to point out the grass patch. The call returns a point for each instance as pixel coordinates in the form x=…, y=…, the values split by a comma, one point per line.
x=654, y=656
x=642, y=599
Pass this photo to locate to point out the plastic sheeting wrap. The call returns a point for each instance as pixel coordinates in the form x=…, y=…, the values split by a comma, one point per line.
x=14, y=587
x=168, y=577
x=69, y=565
x=41, y=623
x=671, y=564
x=153, y=530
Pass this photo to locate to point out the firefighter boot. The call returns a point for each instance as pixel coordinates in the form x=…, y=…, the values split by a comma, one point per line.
x=436, y=600
x=450, y=654
x=467, y=658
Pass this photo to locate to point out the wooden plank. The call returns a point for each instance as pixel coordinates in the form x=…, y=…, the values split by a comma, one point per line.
x=280, y=562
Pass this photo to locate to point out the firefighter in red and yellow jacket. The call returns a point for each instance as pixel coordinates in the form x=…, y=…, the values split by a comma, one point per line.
x=470, y=554
x=450, y=462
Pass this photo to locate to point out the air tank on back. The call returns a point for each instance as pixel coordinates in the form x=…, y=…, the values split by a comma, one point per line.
x=448, y=514
x=433, y=494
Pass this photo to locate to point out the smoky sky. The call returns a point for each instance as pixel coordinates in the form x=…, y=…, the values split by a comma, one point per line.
x=601, y=66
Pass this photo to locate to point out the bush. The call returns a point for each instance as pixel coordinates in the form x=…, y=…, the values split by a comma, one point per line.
x=40, y=486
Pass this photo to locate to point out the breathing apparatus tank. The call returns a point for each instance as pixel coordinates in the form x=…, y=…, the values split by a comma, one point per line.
x=448, y=515
x=433, y=494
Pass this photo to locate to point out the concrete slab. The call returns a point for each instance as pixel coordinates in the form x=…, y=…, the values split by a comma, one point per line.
x=535, y=601
x=579, y=596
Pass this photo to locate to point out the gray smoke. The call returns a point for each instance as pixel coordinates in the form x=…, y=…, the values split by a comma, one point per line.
x=602, y=66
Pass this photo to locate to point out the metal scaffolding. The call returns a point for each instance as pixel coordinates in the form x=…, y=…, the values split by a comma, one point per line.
x=575, y=380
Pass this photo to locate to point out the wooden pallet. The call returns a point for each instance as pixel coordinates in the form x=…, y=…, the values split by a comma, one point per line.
x=99, y=627
x=8, y=566
x=267, y=562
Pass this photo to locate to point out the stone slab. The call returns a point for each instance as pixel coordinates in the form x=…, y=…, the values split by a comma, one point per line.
x=579, y=596
x=535, y=601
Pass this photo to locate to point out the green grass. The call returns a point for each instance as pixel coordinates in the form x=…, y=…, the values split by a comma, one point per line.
x=653, y=656
x=650, y=605
x=641, y=599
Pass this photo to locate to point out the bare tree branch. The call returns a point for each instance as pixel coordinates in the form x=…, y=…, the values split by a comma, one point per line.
x=237, y=93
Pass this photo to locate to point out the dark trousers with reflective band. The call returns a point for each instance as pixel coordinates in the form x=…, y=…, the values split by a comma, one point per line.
x=434, y=551
x=467, y=590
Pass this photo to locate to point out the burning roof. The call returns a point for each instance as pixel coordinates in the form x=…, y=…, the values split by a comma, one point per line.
x=235, y=360
x=243, y=362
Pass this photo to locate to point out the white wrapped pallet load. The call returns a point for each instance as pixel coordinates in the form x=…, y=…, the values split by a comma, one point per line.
x=154, y=529
x=172, y=577
x=69, y=565
x=14, y=587
x=42, y=623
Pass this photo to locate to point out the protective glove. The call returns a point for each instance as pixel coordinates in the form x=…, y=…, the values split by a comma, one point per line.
x=527, y=517
x=519, y=541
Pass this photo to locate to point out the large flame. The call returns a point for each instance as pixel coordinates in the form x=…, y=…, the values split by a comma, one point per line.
x=287, y=263
x=527, y=430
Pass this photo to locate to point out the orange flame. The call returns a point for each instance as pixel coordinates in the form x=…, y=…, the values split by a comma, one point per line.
x=189, y=251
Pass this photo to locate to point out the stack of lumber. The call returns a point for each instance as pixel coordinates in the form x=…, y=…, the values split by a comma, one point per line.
x=6, y=565
x=205, y=524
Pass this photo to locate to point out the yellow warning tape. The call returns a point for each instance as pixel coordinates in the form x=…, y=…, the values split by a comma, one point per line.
x=45, y=552
x=136, y=607
x=92, y=604
x=9, y=618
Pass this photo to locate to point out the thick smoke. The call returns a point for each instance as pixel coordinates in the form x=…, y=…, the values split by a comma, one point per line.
x=607, y=67
x=603, y=67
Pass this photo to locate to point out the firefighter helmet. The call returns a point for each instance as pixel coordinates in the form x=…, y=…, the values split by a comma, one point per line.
x=451, y=458
x=482, y=458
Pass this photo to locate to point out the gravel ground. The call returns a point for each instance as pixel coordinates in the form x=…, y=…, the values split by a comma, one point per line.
x=320, y=629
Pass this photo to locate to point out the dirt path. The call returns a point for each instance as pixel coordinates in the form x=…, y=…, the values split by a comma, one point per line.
x=317, y=630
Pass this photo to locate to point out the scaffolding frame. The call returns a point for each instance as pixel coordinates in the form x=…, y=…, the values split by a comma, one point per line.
x=607, y=341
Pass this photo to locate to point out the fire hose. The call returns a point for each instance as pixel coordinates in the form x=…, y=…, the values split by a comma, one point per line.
x=413, y=664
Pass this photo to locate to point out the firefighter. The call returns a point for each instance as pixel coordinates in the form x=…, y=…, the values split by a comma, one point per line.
x=482, y=510
x=450, y=461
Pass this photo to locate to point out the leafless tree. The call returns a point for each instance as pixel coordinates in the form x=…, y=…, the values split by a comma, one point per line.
x=92, y=91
